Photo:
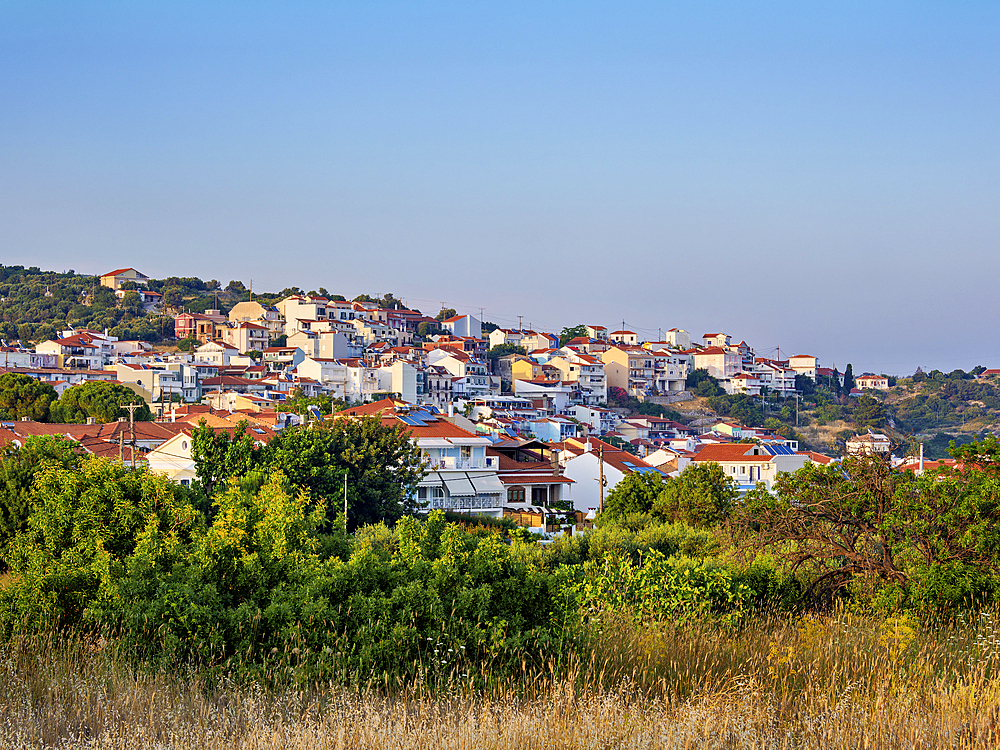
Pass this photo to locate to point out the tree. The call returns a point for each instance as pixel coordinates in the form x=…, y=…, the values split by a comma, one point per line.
x=173, y=296
x=382, y=466
x=98, y=399
x=635, y=493
x=835, y=385
x=427, y=328
x=805, y=384
x=24, y=396
x=18, y=469
x=501, y=350
x=934, y=538
x=703, y=384
x=702, y=495
x=869, y=412
x=236, y=287
x=85, y=522
x=848, y=380
x=219, y=455
x=569, y=334
x=447, y=312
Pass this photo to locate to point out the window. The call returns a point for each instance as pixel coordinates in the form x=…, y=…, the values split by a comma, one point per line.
x=515, y=495
x=466, y=452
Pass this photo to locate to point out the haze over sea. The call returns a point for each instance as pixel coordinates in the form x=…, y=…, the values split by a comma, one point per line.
x=820, y=178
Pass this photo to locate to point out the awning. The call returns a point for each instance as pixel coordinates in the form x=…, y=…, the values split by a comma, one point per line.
x=488, y=485
x=459, y=486
x=434, y=443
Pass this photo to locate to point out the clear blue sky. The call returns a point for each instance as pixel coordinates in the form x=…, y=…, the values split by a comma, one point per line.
x=823, y=177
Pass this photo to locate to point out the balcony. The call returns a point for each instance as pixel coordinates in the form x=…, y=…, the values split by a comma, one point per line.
x=450, y=463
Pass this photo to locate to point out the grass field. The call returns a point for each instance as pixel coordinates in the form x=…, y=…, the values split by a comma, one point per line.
x=773, y=682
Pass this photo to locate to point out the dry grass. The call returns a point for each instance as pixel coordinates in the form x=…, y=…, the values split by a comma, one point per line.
x=836, y=682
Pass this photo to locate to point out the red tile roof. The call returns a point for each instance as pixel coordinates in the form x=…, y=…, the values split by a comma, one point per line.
x=730, y=452
x=117, y=271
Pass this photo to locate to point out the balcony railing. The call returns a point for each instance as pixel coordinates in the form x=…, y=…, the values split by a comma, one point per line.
x=450, y=463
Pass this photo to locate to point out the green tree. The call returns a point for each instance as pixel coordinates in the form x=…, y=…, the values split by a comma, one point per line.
x=85, y=523
x=805, y=385
x=701, y=496
x=219, y=454
x=381, y=464
x=24, y=396
x=703, y=384
x=869, y=412
x=448, y=312
x=568, y=334
x=933, y=540
x=427, y=328
x=635, y=493
x=18, y=469
x=98, y=399
x=501, y=350
x=849, y=384
x=173, y=297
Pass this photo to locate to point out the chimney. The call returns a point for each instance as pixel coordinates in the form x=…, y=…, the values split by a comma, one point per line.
x=25, y=419
x=451, y=409
x=586, y=447
x=554, y=461
x=921, y=458
x=91, y=420
x=122, y=419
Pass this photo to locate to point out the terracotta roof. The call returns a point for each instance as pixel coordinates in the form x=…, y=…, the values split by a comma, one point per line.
x=818, y=458
x=375, y=408
x=730, y=452
x=117, y=271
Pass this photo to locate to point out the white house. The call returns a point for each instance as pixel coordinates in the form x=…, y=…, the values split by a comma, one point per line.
x=461, y=476
x=463, y=325
x=582, y=460
x=747, y=464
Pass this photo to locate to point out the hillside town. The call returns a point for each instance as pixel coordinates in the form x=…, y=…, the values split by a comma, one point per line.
x=512, y=422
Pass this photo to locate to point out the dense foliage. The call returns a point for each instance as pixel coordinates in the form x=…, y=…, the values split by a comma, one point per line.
x=377, y=466
x=99, y=400
x=263, y=569
x=22, y=396
x=931, y=541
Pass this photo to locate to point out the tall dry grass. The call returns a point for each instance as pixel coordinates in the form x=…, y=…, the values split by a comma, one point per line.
x=773, y=682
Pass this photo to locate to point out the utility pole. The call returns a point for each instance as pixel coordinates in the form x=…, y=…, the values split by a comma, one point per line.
x=519, y=323
x=131, y=418
x=600, y=462
x=345, y=502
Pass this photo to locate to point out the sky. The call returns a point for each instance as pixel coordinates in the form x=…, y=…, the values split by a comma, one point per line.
x=817, y=178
